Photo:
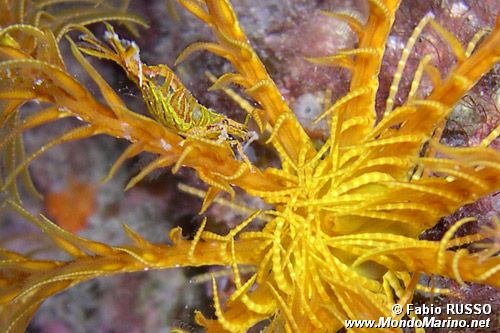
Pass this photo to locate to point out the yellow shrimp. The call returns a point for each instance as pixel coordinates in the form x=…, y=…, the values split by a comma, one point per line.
x=167, y=99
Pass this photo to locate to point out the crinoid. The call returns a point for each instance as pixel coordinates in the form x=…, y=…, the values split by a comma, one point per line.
x=341, y=240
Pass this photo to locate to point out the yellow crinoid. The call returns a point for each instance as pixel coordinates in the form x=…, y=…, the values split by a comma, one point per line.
x=342, y=240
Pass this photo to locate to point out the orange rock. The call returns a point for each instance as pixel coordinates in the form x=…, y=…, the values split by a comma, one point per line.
x=71, y=207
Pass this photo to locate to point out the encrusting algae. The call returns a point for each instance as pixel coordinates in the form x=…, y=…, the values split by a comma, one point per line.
x=342, y=240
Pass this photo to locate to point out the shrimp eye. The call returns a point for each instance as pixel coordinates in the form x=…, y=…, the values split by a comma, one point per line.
x=196, y=113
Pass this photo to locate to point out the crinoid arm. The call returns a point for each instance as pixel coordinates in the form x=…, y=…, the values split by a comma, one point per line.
x=27, y=282
x=233, y=45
